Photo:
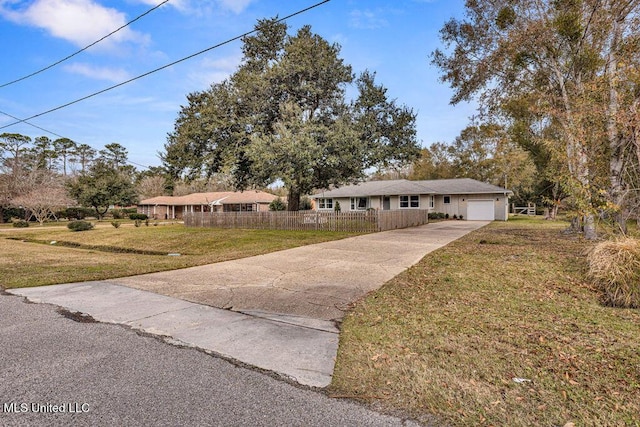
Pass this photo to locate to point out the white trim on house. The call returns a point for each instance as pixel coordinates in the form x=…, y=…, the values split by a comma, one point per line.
x=325, y=203
x=359, y=203
x=409, y=201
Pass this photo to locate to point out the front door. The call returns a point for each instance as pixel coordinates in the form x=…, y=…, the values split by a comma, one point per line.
x=386, y=203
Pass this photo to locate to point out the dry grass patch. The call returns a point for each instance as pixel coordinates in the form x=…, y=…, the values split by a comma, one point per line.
x=614, y=266
x=498, y=328
x=29, y=258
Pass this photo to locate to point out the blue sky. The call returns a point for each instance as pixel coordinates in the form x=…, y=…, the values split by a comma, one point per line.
x=392, y=38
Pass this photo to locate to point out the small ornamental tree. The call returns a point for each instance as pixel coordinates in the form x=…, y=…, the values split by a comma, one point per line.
x=43, y=202
x=104, y=185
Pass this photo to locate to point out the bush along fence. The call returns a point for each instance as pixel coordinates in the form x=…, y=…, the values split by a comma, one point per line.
x=361, y=222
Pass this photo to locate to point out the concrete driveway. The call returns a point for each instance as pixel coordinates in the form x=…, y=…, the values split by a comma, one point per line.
x=315, y=281
x=275, y=311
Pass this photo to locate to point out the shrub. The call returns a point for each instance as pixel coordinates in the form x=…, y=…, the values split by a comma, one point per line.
x=137, y=223
x=75, y=213
x=437, y=215
x=460, y=217
x=614, y=267
x=21, y=224
x=305, y=204
x=138, y=216
x=8, y=213
x=79, y=226
x=117, y=213
x=277, y=205
x=115, y=224
x=446, y=216
x=455, y=216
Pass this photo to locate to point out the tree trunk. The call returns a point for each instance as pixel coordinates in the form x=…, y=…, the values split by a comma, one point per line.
x=616, y=141
x=293, y=199
x=589, y=222
x=100, y=214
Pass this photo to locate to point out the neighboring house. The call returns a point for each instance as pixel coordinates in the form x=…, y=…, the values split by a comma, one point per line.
x=174, y=207
x=472, y=199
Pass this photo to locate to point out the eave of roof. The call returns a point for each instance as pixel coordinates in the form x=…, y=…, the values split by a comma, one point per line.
x=219, y=197
x=406, y=187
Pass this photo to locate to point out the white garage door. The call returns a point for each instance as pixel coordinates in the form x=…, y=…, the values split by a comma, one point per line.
x=481, y=210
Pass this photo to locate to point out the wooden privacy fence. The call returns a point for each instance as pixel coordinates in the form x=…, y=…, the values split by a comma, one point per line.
x=362, y=222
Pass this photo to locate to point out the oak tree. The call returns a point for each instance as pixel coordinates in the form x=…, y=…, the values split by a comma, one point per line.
x=283, y=116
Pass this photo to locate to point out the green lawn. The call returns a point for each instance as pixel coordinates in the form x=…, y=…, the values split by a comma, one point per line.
x=30, y=259
x=498, y=328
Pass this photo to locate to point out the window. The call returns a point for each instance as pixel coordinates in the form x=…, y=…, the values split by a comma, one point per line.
x=409, y=202
x=447, y=200
x=237, y=207
x=431, y=202
x=325, y=203
x=359, y=203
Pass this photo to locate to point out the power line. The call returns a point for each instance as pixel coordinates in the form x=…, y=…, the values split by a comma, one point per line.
x=26, y=121
x=84, y=48
x=31, y=124
x=163, y=67
x=60, y=136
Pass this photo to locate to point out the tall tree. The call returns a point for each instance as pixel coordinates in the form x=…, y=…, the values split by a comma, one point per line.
x=567, y=63
x=114, y=154
x=84, y=155
x=13, y=152
x=283, y=116
x=65, y=149
x=435, y=162
x=43, y=153
x=13, y=148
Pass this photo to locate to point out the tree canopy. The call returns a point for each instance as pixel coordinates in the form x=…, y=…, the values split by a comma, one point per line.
x=102, y=186
x=563, y=76
x=283, y=116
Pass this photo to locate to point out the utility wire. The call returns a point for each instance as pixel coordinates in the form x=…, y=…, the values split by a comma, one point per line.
x=25, y=121
x=163, y=67
x=31, y=124
x=60, y=136
x=83, y=49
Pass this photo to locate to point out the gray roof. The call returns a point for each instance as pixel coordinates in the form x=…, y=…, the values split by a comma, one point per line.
x=406, y=187
x=462, y=186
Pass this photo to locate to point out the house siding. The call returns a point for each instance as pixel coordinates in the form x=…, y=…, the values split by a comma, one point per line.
x=458, y=205
x=461, y=191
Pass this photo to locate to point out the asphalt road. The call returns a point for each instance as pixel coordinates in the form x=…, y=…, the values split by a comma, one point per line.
x=101, y=374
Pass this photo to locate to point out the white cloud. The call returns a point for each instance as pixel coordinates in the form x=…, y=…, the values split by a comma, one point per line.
x=79, y=21
x=115, y=75
x=236, y=6
x=181, y=5
x=367, y=19
x=213, y=71
x=204, y=6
